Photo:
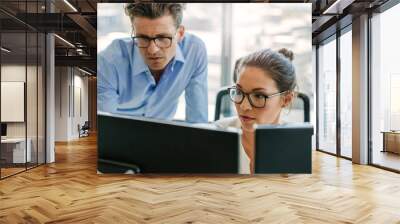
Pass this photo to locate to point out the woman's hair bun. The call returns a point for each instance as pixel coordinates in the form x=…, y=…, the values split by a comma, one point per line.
x=287, y=53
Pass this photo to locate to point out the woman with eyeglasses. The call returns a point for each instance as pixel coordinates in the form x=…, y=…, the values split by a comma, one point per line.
x=265, y=85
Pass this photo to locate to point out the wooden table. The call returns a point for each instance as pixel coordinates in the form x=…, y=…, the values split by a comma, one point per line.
x=14, y=151
x=391, y=141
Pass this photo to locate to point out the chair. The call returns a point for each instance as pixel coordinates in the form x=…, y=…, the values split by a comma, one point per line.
x=223, y=92
x=306, y=105
x=218, y=103
x=84, y=130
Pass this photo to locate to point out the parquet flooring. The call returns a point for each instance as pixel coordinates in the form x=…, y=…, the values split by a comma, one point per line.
x=70, y=191
x=10, y=171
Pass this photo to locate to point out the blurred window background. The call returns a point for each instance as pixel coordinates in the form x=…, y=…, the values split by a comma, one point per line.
x=230, y=31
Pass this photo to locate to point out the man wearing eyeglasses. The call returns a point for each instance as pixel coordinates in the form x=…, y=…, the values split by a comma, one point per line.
x=144, y=75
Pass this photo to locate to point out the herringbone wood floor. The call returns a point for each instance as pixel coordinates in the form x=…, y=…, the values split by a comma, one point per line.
x=70, y=191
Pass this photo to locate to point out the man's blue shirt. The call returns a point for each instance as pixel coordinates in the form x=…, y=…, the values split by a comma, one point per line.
x=125, y=84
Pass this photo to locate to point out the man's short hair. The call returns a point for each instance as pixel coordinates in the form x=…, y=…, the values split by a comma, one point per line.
x=155, y=10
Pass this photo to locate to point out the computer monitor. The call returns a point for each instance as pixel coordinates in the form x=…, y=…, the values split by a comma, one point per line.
x=3, y=129
x=153, y=146
x=283, y=148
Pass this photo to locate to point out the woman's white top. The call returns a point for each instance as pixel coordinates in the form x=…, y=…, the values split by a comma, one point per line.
x=244, y=160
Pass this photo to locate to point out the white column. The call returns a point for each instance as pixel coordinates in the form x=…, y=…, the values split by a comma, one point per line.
x=50, y=92
x=360, y=90
x=50, y=110
x=62, y=103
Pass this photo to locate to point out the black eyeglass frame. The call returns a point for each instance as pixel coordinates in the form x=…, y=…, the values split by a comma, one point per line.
x=249, y=98
x=149, y=39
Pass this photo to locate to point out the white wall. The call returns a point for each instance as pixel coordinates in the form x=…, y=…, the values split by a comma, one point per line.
x=81, y=82
x=16, y=73
x=71, y=93
x=61, y=103
x=79, y=112
x=33, y=126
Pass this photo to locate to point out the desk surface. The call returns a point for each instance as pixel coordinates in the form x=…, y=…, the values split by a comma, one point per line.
x=391, y=132
x=13, y=140
x=336, y=192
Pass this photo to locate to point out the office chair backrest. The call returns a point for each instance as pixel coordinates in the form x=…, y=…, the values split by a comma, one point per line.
x=222, y=95
x=85, y=126
x=299, y=110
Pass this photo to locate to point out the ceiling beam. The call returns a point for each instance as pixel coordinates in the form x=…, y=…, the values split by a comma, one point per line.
x=337, y=6
x=86, y=26
x=82, y=61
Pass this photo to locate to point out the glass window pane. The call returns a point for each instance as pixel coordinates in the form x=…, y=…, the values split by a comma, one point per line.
x=22, y=63
x=112, y=23
x=31, y=100
x=386, y=89
x=277, y=26
x=327, y=97
x=197, y=21
x=13, y=86
x=346, y=94
x=41, y=99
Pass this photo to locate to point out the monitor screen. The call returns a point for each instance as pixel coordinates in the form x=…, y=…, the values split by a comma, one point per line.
x=3, y=129
x=154, y=146
x=283, y=148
